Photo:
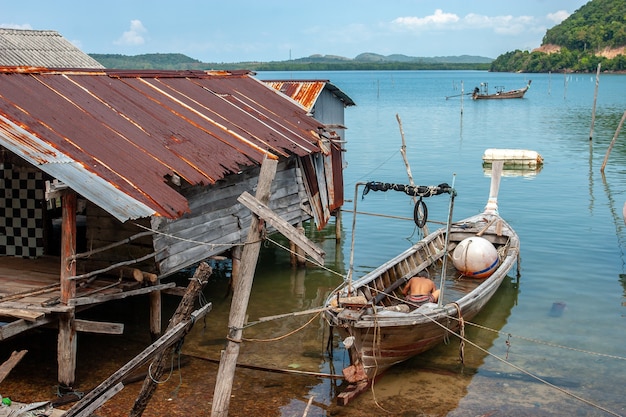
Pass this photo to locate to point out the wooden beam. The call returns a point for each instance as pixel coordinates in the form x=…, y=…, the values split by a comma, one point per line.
x=101, y=298
x=183, y=312
x=21, y=313
x=241, y=296
x=164, y=342
x=290, y=232
x=87, y=326
x=97, y=403
x=10, y=363
x=19, y=326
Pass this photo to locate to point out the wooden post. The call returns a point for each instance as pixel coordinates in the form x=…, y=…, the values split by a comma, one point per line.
x=155, y=315
x=183, y=313
x=66, y=345
x=300, y=254
x=236, y=270
x=338, y=217
x=608, y=151
x=241, y=296
x=595, y=99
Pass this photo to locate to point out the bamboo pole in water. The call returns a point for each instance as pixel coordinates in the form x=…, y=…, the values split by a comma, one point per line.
x=595, y=99
x=408, y=167
x=608, y=151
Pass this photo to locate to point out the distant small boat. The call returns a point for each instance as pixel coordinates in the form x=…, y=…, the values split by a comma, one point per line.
x=482, y=92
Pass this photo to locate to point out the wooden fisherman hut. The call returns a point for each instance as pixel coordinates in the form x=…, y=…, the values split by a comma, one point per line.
x=111, y=181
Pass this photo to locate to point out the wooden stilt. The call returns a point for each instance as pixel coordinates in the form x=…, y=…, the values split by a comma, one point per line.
x=241, y=296
x=338, y=218
x=236, y=269
x=300, y=254
x=155, y=315
x=66, y=346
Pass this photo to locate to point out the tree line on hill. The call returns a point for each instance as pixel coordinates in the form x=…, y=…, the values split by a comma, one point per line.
x=580, y=40
x=314, y=63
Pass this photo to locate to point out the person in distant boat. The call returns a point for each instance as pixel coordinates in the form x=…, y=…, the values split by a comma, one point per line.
x=420, y=290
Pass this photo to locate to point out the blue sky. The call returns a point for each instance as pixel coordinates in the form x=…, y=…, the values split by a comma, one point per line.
x=272, y=30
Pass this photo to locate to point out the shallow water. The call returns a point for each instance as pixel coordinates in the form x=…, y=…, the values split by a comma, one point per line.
x=564, y=323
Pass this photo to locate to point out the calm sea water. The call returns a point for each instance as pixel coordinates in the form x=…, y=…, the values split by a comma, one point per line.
x=564, y=323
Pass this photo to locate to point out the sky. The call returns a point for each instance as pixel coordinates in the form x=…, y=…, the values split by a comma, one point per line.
x=273, y=30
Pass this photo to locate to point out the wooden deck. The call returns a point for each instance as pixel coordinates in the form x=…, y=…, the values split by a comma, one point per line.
x=30, y=294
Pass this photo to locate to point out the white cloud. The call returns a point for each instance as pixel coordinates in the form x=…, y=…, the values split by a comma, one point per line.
x=558, y=17
x=25, y=26
x=134, y=36
x=504, y=25
x=439, y=18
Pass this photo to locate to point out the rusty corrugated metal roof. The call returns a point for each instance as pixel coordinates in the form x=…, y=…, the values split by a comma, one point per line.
x=115, y=136
x=306, y=92
x=41, y=48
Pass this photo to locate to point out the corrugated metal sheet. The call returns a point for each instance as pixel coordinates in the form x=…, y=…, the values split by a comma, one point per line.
x=115, y=137
x=306, y=92
x=41, y=48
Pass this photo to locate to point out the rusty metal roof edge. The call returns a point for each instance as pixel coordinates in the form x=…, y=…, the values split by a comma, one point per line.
x=100, y=192
x=60, y=166
x=342, y=96
x=268, y=85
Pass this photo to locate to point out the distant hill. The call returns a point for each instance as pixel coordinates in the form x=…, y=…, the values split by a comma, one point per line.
x=594, y=34
x=463, y=59
x=364, y=61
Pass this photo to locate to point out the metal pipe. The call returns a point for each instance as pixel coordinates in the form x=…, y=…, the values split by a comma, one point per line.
x=445, y=248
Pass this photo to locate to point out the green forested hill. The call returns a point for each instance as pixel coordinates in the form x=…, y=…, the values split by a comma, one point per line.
x=581, y=42
x=597, y=25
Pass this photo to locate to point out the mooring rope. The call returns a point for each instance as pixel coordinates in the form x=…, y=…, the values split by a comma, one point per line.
x=274, y=339
x=304, y=257
x=505, y=361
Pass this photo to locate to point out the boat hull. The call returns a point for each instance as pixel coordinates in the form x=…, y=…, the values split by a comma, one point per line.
x=501, y=95
x=382, y=333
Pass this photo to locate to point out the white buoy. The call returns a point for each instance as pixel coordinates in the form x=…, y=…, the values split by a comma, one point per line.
x=475, y=257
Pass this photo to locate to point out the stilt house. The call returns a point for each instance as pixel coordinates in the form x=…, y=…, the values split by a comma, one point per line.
x=111, y=181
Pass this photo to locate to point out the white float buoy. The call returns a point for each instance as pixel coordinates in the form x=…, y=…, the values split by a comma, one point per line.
x=475, y=257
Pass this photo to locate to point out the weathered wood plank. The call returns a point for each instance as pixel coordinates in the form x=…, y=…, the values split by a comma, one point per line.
x=182, y=313
x=88, y=326
x=281, y=225
x=96, y=299
x=21, y=313
x=10, y=363
x=167, y=340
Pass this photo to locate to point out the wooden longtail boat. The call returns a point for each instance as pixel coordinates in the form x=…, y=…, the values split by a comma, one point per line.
x=380, y=329
x=482, y=93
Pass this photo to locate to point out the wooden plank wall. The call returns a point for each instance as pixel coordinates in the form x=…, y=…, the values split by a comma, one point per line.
x=218, y=218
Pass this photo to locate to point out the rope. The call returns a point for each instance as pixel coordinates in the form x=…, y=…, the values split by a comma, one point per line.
x=505, y=361
x=304, y=257
x=375, y=344
x=550, y=344
x=462, y=333
x=274, y=339
x=411, y=190
x=197, y=242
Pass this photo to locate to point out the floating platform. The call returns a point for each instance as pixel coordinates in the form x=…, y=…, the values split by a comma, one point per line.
x=513, y=158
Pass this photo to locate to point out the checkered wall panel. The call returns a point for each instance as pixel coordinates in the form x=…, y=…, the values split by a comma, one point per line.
x=21, y=212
